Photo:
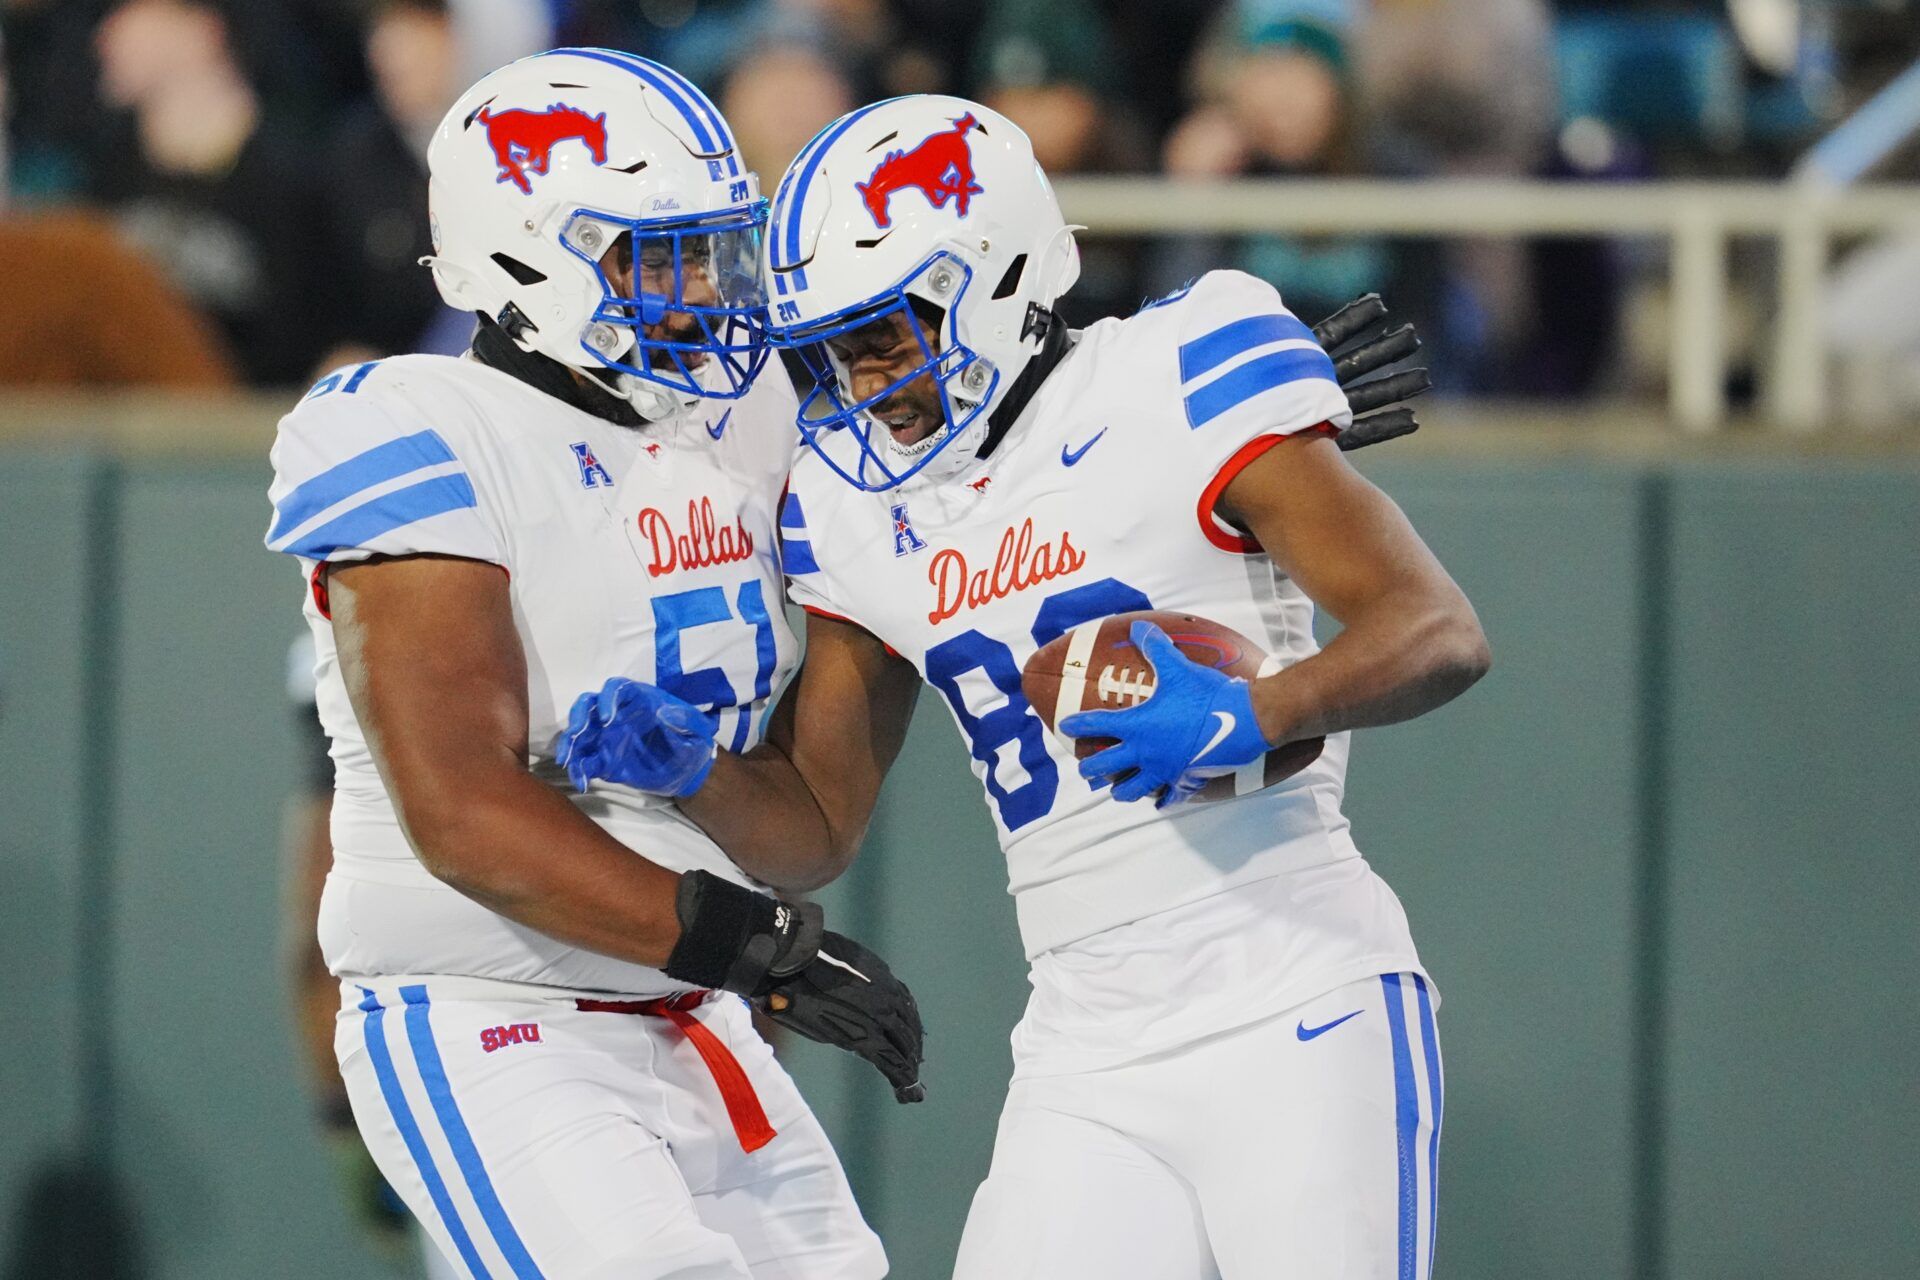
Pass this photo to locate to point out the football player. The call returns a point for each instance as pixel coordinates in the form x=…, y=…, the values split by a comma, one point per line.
x=542, y=1030
x=1229, y=1064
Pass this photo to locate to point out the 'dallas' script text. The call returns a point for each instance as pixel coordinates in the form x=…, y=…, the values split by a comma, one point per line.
x=703, y=543
x=1018, y=563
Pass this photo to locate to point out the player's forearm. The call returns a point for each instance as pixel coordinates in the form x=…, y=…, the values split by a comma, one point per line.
x=514, y=845
x=1398, y=659
x=760, y=810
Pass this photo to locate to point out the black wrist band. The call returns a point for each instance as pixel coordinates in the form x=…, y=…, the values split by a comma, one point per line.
x=733, y=939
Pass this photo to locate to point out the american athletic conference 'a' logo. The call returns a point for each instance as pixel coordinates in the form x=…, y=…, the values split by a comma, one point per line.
x=592, y=474
x=523, y=141
x=941, y=167
x=905, y=540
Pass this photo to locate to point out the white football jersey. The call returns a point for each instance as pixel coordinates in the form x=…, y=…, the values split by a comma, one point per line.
x=642, y=552
x=1098, y=501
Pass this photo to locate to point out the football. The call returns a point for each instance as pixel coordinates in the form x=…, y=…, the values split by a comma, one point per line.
x=1096, y=667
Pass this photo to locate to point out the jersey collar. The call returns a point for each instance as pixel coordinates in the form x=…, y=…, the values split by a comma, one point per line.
x=1054, y=346
x=493, y=348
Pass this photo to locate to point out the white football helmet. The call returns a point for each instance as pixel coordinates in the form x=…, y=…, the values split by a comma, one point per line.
x=537, y=174
x=930, y=198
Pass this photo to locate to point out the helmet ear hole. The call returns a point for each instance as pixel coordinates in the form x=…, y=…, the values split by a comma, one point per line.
x=1011, y=280
x=522, y=273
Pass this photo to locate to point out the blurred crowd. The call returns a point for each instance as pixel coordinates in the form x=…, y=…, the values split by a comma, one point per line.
x=207, y=192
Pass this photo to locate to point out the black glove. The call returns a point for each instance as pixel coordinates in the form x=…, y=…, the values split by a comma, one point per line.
x=1360, y=327
x=847, y=996
x=825, y=986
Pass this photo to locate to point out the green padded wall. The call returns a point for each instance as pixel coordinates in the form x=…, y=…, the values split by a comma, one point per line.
x=214, y=1130
x=1505, y=822
x=47, y=799
x=1779, y=631
x=945, y=922
x=1794, y=1113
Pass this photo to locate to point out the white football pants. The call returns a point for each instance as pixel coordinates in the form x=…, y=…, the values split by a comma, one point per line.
x=1304, y=1146
x=537, y=1137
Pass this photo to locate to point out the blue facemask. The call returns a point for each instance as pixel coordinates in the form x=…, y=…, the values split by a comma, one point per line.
x=705, y=270
x=965, y=381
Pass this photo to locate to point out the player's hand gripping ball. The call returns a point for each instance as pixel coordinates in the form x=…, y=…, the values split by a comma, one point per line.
x=640, y=736
x=1159, y=703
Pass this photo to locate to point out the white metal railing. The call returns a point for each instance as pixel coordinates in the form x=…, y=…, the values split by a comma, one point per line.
x=1697, y=218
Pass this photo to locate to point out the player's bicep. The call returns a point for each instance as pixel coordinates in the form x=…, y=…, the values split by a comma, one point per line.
x=845, y=721
x=435, y=670
x=1343, y=541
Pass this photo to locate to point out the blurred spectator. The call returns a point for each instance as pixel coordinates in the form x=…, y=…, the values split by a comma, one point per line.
x=212, y=186
x=83, y=311
x=1054, y=71
x=492, y=33
x=1536, y=318
x=1275, y=99
x=43, y=42
x=1422, y=69
x=877, y=53
x=374, y=188
x=776, y=98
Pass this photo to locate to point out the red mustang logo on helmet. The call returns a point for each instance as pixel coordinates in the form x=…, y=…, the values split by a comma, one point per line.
x=941, y=167
x=523, y=141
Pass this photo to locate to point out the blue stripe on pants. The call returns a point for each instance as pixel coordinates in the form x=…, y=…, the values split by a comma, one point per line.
x=410, y=1134
x=1430, y=1039
x=1406, y=1110
x=426, y=1056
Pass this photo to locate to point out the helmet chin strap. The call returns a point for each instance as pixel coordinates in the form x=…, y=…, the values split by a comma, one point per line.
x=650, y=400
x=619, y=398
x=953, y=457
x=980, y=437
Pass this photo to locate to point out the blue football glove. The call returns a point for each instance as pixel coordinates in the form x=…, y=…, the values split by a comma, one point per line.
x=1198, y=724
x=640, y=736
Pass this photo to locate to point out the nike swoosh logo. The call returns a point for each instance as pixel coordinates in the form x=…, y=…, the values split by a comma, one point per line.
x=1307, y=1033
x=715, y=429
x=841, y=964
x=1227, y=721
x=1069, y=456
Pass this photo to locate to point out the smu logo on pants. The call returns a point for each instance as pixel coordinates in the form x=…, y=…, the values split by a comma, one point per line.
x=941, y=167
x=519, y=1033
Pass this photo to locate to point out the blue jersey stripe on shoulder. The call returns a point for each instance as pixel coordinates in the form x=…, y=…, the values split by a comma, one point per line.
x=791, y=516
x=386, y=513
x=377, y=465
x=1255, y=377
x=796, y=557
x=1223, y=344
